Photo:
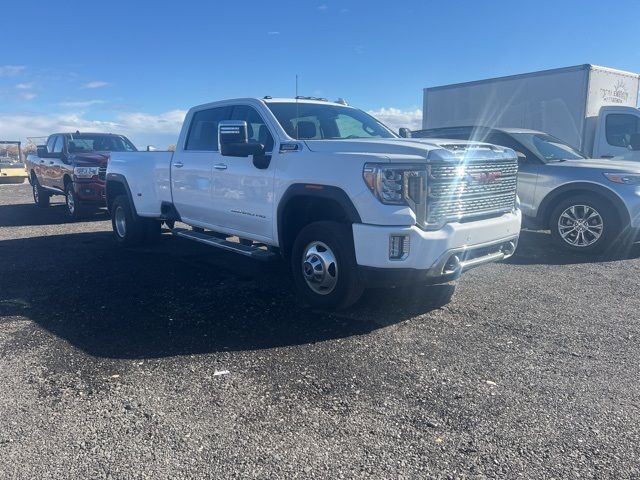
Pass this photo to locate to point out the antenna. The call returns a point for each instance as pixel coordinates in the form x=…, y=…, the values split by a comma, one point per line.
x=297, y=109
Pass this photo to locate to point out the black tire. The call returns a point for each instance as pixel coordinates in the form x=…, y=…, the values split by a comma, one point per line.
x=346, y=287
x=41, y=197
x=73, y=207
x=128, y=229
x=594, y=215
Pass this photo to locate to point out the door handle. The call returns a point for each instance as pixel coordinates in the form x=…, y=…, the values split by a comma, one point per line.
x=220, y=166
x=51, y=163
x=41, y=161
x=178, y=164
x=606, y=156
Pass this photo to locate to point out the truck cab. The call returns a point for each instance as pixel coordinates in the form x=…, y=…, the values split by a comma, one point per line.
x=617, y=134
x=342, y=198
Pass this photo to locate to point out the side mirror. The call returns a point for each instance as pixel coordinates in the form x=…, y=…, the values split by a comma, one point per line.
x=404, y=132
x=634, y=142
x=522, y=158
x=151, y=148
x=233, y=140
x=41, y=151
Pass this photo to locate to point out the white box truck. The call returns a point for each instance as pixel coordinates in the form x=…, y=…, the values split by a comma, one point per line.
x=592, y=108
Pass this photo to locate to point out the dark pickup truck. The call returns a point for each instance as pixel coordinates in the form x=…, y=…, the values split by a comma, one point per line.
x=74, y=165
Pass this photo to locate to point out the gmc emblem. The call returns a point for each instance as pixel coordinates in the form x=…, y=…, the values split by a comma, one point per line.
x=484, y=177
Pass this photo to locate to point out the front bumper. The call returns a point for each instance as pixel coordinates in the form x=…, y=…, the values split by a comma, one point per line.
x=90, y=190
x=434, y=256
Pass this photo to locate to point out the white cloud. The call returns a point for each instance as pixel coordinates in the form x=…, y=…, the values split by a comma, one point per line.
x=27, y=96
x=141, y=128
x=81, y=103
x=24, y=86
x=96, y=84
x=11, y=70
x=395, y=118
x=273, y=33
x=323, y=7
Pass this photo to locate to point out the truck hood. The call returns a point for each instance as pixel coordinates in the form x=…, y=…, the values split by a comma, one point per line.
x=611, y=165
x=90, y=159
x=428, y=149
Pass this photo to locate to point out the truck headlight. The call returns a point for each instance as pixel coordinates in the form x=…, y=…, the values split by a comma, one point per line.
x=624, y=178
x=85, y=172
x=394, y=184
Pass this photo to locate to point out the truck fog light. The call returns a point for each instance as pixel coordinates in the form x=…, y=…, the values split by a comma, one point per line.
x=398, y=247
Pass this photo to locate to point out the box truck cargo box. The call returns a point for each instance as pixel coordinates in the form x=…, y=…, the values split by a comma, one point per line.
x=592, y=108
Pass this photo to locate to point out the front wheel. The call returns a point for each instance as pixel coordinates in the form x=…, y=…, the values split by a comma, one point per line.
x=324, y=266
x=72, y=204
x=584, y=224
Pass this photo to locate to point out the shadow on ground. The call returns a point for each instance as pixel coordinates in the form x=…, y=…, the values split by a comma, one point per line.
x=23, y=215
x=175, y=298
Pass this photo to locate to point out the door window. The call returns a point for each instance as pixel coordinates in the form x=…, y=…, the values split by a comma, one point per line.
x=620, y=127
x=203, y=131
x=258, y=132
x=59, y=145
x=51, y=143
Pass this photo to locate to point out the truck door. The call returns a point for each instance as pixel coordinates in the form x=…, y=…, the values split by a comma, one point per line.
x=192, y=167
x=613, y=134
x=242, y=194
x=48, y=166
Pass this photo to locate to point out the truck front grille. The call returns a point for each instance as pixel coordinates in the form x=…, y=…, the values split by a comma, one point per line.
x=102, y=173
x=470, y=189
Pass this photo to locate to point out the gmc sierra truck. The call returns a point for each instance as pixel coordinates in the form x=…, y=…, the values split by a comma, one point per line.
x=345, y=200
x=74, y=165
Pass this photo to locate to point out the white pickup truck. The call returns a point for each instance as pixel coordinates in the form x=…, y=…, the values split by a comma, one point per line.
x=345, y=200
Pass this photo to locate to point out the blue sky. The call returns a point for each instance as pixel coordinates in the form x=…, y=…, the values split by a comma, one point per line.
x=136, y=66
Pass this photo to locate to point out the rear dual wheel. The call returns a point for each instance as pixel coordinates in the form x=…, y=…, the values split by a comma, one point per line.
x=129, y=229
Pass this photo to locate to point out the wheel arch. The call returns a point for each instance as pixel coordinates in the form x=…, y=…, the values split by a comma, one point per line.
x=116, y=185
x=302, y=204
x=581, y=188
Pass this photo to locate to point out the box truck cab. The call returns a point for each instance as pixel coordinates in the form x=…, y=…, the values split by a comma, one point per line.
x=592, y=108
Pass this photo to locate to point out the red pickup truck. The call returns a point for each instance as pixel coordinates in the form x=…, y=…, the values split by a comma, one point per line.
x=74, y=165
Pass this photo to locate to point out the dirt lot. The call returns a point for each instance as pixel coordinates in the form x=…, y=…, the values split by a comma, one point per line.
x=110, y=362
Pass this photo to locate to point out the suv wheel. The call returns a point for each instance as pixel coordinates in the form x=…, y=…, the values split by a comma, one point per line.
x=40, y=196
x=72, y=204
x=128, y=230
x=583, y=224
x=324, y=266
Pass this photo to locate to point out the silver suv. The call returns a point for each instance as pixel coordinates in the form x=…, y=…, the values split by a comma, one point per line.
x=588, y=204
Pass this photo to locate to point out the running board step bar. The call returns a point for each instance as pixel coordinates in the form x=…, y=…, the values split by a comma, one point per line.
x=246, y=250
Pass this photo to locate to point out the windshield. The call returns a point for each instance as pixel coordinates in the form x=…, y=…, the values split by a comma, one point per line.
x=547, y=147
x=84, y=142
x=315, y=121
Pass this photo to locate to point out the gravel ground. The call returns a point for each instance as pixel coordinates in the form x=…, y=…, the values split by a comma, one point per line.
x=110, y=365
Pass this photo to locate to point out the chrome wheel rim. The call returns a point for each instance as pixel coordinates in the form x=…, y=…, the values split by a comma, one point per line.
x=580, y=225
x=120, y=221
x=320, y=268
x=36, y=195
x=71, y=202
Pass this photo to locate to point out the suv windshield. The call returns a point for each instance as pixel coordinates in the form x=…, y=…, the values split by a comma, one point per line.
x=547, y=147
x=315, y=121
x=84, y=142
